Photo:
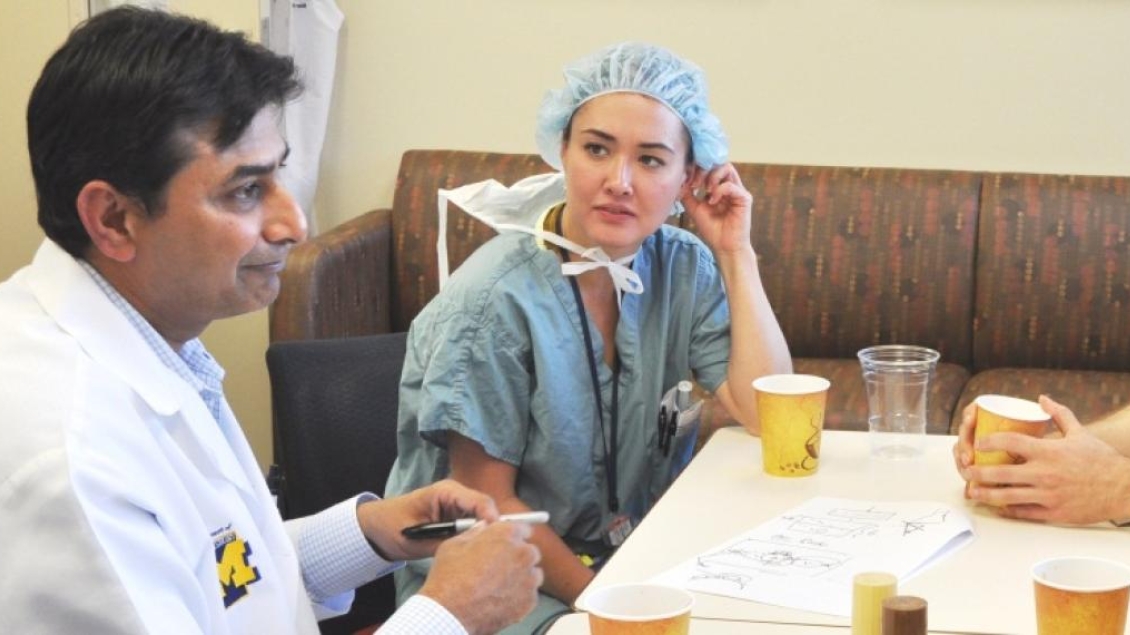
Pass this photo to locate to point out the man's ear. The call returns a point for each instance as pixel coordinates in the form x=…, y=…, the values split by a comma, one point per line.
x=106, y=214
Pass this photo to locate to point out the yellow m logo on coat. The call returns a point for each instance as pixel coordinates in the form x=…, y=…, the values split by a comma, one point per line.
x=234, y=568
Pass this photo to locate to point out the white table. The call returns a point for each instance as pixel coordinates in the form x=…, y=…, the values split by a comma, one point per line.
x=983, y=588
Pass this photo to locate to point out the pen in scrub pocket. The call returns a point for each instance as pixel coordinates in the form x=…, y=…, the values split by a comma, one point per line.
x=449, y=528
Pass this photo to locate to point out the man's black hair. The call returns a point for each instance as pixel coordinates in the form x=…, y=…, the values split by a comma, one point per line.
x=120, y=99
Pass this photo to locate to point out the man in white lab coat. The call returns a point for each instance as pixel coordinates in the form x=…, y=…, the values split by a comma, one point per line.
x=130, y=501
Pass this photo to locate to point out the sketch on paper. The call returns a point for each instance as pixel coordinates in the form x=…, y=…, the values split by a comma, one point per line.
x=936, y=517
x=821, y=545
x=771, y=558
x=871, y=514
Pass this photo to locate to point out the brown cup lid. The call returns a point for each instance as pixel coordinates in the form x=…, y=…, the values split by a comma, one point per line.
x=904, y=615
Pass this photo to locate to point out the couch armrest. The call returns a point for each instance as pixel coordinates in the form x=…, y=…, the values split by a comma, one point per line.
x=337, y=283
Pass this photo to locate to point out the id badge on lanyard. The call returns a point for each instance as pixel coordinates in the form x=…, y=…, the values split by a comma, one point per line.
x=617, y=531
x=621, y=526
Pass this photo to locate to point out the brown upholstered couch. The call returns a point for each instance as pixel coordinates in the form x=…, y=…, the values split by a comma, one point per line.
x=1021, y=281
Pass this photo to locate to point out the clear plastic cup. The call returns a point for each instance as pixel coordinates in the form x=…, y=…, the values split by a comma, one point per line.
x=898, y=379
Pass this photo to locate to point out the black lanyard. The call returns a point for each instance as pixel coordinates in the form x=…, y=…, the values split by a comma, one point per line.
x=610, y=444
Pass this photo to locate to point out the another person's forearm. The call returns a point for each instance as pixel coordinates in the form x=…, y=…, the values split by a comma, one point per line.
x=1122, y=497
x=1114, y=429
x=565, y=576
x=757, y=345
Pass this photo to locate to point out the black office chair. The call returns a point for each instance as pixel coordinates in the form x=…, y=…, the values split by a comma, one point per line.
x=335, y=404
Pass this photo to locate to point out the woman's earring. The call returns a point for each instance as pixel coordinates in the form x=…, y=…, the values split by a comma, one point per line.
x=677, y=209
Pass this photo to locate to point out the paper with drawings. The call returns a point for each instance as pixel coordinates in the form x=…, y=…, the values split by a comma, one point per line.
x=806, y=558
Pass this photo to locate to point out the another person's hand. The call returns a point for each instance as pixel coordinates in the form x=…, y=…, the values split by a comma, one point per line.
x=487, y=577
x=723, y=214
x=383, y=520
x=963, y=449
x=1076, y=479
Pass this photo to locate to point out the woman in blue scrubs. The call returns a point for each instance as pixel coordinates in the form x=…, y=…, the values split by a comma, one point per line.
x=536, y=374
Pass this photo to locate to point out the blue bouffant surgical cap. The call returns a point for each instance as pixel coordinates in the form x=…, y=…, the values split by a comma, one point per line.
x=638, y=68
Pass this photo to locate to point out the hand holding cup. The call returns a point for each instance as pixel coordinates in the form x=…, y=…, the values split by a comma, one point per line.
x=998, y=413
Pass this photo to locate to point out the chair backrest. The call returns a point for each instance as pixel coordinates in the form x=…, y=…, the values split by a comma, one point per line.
x=337, y=283
x=335, y=406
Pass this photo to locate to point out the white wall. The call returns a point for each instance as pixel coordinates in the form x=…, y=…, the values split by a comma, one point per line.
x=1025, y=85
x=30, y=33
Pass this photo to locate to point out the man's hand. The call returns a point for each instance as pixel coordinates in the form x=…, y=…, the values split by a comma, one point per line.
x=383, y=520
x=487, y=577
x=1076, y=479
x=963, y=449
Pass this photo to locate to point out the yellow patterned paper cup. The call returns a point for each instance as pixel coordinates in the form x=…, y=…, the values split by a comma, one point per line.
x=998, y=413
x=1081, y=596
x=638, y=609
x=791, y=411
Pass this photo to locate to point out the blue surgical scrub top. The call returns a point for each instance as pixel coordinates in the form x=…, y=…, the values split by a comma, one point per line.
x=499, y=357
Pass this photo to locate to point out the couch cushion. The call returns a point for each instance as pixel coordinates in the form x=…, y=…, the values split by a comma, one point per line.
x=852, y=257
x=847, y=398
x=1053, y=273
x=1089, y=394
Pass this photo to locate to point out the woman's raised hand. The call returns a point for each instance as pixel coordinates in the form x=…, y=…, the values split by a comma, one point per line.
x=722, y=210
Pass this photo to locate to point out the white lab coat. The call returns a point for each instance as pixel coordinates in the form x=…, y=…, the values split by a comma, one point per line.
x=117, y=486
